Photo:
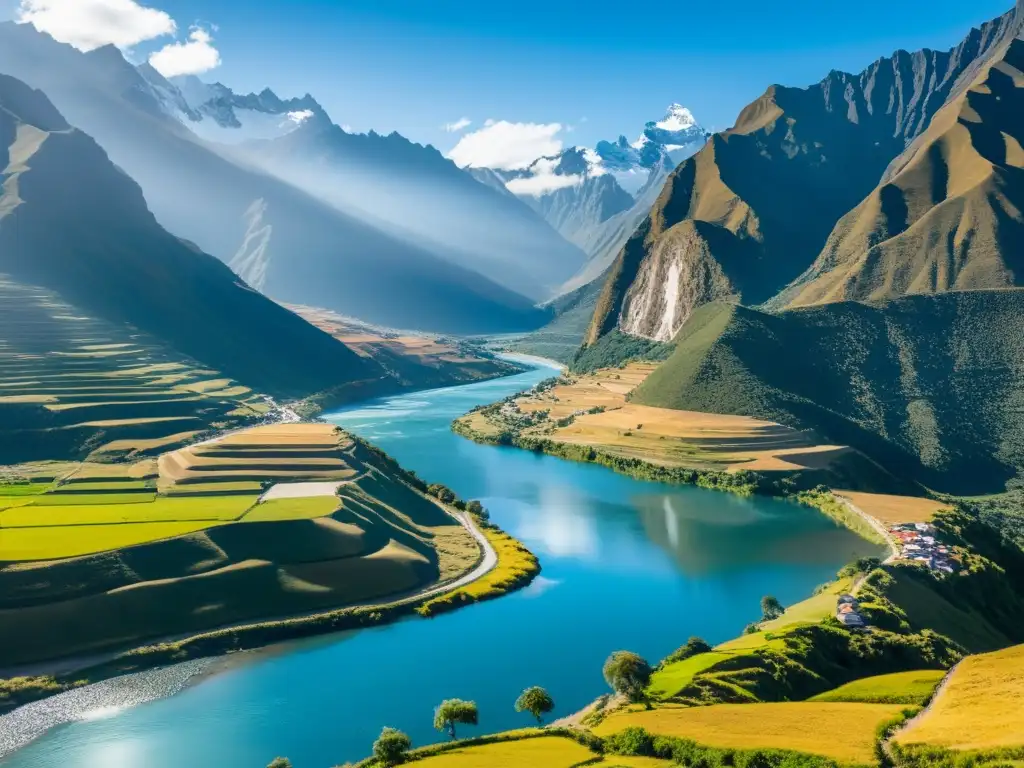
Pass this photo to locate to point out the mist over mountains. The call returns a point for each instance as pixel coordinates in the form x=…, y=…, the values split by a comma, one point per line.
x=394, y=258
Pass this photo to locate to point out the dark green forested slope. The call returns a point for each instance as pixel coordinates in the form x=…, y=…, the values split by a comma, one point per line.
x=931, y=386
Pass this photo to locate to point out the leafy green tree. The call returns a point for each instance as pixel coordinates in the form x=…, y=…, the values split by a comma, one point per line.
x=390, y=747
x=752, y=628
x=536, y=701
x=453, y=711
x=628, y=674
x=280, y=762
x=771, y=608
x=476, y=508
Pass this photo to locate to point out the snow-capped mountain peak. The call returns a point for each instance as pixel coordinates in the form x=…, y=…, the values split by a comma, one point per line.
x=678, y=118
x=216, y=113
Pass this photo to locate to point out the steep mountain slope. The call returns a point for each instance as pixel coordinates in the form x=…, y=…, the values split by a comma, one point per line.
x=418, y=195
x=750, y=212
x=948, y=216
x=105, y=252
x=929, y=386
x=280, y=239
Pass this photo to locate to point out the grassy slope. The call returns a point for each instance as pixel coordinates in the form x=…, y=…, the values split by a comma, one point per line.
x=914, y=687
x=928, y=386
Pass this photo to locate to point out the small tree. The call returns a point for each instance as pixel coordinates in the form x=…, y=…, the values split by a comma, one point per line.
x=454, y=711
x=390, y=747
x=476, y=508
x=536, y=701
x=628, y=674
x=280, y=762
x=771, y=608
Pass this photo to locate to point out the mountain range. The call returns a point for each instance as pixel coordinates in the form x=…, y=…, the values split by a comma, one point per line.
x=281, y=234
x=596, y=196
x=869, y=228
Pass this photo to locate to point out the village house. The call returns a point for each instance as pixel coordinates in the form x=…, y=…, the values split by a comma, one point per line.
x=917, y=542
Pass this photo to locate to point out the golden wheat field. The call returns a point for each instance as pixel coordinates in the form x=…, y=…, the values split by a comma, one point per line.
x=980, y=707
x=543, y=752
x=844, y=732
x=894, y=509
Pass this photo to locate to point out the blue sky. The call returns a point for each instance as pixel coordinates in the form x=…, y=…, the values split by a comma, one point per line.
x=597, y=68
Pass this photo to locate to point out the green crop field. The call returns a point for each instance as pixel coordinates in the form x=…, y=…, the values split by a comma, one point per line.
x=61, y=541
x=304, y=508
x=898, y=688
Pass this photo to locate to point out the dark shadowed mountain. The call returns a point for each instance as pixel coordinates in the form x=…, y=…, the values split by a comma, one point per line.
x=105, y=252
x=282, y=240
x=751, y=211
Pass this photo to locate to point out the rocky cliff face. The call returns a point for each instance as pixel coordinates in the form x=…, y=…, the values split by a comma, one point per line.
x=755, y=206
x=948, y=215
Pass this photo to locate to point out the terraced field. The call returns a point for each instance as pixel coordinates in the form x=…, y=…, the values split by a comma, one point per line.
x=72, y=386
x=188, y=542
x=594, y=410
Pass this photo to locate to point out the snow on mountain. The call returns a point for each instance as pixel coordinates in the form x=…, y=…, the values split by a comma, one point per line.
x=675, y=137
x=216, y=113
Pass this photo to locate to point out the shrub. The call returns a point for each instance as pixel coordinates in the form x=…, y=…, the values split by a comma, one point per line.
x=390, y=747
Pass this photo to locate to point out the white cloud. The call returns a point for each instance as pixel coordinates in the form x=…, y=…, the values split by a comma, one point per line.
x=301, y=116
x=542, y=179
x=190, y=58
x=458, y=125
x=507, y=146
x=541, y=184
x=90, y=24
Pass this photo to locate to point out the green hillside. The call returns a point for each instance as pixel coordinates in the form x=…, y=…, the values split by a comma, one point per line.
x=929, y=386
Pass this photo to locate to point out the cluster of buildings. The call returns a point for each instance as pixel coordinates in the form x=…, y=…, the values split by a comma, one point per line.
x=917, y=542
x=848, y=612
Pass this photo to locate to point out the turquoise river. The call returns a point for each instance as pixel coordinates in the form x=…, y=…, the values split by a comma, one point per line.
x=626, y=565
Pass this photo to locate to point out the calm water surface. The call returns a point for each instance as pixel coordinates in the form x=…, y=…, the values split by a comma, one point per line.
x=626, y=565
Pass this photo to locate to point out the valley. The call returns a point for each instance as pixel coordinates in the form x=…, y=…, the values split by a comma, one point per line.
x=701, y=448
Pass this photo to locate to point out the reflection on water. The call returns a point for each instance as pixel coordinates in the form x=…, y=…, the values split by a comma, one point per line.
x=626, y=565
x=742, y=530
